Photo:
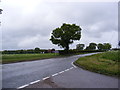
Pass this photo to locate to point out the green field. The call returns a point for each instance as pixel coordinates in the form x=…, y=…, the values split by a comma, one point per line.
x=11, y=58
x=105, y=63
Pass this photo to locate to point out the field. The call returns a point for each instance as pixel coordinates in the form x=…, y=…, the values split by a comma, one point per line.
x=11, y=58
x=105, y=63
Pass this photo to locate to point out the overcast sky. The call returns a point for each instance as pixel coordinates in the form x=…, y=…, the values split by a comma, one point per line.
x=27, y=24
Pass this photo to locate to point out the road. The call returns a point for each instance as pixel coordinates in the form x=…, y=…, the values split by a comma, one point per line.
x=18, y=74
x=76, y=78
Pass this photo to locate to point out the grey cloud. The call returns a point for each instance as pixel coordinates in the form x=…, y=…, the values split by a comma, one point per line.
x=18, y=24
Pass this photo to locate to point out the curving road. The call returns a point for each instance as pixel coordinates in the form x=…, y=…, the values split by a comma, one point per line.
x=18, y=74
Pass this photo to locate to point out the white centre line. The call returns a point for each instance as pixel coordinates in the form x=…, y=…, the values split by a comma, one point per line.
x=67, y=69
x=35, y=82
x=23, y=86
x=46, y=77
x=55, y=74
x=61, y=72
x=71, y=67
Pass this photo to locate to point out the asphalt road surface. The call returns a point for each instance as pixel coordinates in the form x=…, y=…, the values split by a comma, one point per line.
x=76, y=78
x=18, y=74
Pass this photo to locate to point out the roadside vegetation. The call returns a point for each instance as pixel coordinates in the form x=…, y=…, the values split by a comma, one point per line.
x=11, y=58
x=104, y=63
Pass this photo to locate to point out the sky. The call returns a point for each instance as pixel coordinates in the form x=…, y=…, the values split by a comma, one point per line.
x=26, y=24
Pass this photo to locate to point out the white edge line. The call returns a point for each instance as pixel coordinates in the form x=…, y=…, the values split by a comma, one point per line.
x=23, y=86
x=34, y=82
x=46, y=77
x=73, y=65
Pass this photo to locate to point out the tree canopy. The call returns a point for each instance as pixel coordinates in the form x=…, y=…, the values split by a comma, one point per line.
x=65, y=35
x=100, y=46
x=107, y=46
x=37, y=50
x=92, y=46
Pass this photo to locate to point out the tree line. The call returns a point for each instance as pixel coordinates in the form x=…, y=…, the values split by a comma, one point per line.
x=94, y=46
x=28, y=51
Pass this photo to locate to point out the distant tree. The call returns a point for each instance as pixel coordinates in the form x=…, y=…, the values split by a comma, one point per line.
x=87, y=48
x=100, y=46
x=107, y=46
x=80, y=46
x=21, y=51
x=119, y=43
x=92, y=46
x=65, y=35
x=1, y=11
x=30, y=51
x=52, y=50
x=37, y=50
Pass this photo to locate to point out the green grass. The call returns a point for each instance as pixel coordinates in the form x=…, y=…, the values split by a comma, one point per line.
x=105, y=63
x=11, y=58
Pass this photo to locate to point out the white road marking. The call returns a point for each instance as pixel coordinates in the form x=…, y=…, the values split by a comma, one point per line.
x=23, y=86
x=46, y=77
x=67, y=69
x=61, y=72
x=35, y=82
x=55, y=74
x=73, y=65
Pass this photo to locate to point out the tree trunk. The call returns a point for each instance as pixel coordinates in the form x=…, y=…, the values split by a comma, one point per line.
x=67, y=48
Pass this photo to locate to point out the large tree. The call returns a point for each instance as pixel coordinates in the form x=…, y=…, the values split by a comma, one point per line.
x=65, y=35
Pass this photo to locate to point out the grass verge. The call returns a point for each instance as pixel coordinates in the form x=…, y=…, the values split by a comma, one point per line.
x=104, y=63
x=12, y=58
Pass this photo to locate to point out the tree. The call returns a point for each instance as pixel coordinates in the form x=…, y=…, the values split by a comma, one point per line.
x=100, y=46
x=119, y=43
x=80, y=46
x=107, y=46
x=1, y=11
x=65, y=35
x=92, y=46
x=87, y=48
x=37, y=50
